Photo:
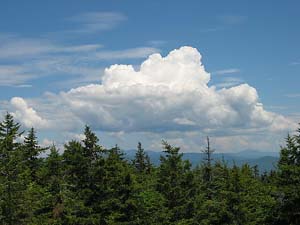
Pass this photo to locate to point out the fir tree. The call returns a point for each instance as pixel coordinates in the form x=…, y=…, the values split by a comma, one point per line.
x=10, y=188
x=31, y=152
x=90, y=145
x=289, y=180
x=207, y=176
x=141, y=160
x=175, y=182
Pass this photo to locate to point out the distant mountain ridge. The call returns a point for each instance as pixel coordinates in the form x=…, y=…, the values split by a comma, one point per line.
x=265, y=161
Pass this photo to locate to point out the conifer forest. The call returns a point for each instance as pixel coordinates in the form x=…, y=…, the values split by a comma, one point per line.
x=85, y=183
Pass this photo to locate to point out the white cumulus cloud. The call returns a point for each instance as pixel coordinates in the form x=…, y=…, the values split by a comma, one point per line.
x=27, y=115
x=168, y=93
x=166, y=97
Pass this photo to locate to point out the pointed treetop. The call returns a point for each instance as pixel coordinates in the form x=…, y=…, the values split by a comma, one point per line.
x=9, y=128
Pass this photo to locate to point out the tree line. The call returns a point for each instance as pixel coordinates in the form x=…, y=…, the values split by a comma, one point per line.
x=90, y=184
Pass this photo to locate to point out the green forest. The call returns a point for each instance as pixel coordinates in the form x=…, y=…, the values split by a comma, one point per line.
x=85, y=183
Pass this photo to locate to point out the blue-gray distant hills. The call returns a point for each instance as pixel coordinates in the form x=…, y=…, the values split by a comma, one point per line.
x=265, y=161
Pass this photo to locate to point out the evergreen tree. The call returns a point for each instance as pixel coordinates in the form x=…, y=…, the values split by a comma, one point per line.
x=10, y=169
x=289, y=180
x=84, y=168
x=207, y=176
x=30, y=178
x=175, y=182
x=54, y=171
x=54, y=199
x=148, y=164
x=76, y=166
x=31, y=151
x=90, y=145
x=141, y=161
x=119, y=205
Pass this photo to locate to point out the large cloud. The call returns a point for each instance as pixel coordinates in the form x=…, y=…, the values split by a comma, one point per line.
x=167, y=97
x=165, y=94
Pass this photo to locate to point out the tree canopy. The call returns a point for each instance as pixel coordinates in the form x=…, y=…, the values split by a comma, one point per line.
x=86, y=183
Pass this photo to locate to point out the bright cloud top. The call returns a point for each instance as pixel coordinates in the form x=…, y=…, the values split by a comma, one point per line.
x=27, y=115
x=165, y=94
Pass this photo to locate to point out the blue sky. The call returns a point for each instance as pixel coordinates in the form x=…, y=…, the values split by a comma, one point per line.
x=49, y=47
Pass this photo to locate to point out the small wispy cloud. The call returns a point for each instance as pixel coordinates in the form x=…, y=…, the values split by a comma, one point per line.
x=24, y=86
x=211, y=29
x=295, y=117
x=14, y=75
x=92, y=22
x=275, y=107
x=229, y=82
x=156, y=43
x=23, y=60
x=232, y=19
x=293, y=95
x=295, y=63
x=224, y=22
x=226, y=71
x=18, y=47
x=140, y=52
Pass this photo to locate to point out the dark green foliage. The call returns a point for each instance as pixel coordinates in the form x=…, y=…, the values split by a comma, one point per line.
x=88, y=184
x=10, y=169
x=288, y=180
x=175, y=183
x=141, y=161
x=31, y=151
